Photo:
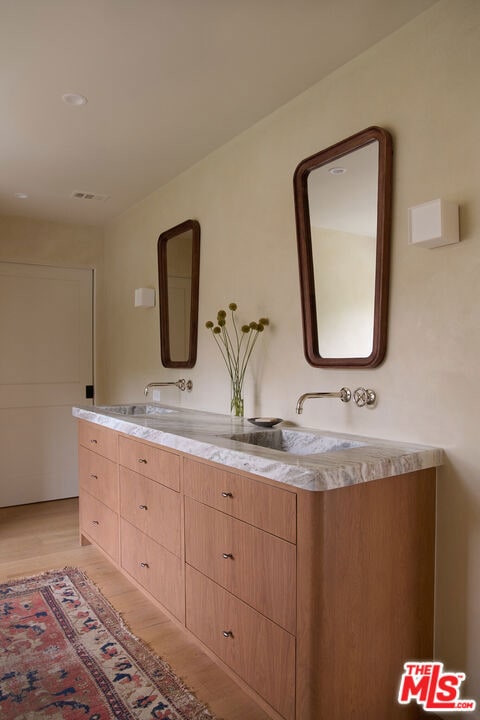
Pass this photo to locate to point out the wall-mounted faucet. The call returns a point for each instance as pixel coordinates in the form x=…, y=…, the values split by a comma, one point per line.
x=181, y=384
x=345, y=395
x=362, y=396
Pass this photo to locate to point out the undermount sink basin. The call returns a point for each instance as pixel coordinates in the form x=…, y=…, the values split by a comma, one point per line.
x=136, y=410
x=295, y=442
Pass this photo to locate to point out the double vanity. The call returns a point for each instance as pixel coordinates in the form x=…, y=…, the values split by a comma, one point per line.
x=302, y=561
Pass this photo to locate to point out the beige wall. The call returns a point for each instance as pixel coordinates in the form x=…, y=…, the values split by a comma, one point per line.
x=50, y=243
x=422, y=84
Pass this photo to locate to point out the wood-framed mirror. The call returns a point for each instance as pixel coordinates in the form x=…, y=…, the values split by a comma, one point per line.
x=178, y=281
x=343, y=218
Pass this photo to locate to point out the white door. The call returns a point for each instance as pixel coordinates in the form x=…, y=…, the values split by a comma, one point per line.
x=45, y=363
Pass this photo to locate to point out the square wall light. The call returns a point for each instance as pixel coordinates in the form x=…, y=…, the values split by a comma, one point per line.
x=433, y=224
x=145, y=297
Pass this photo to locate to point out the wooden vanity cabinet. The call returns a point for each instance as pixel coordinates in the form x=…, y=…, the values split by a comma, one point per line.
x=100, y=524
x=153, y=508
x=254, y=565
x=99, y=477
x=129, y=509
x=365, y=594
x=98, y=439
x=152, y=462
x=266, y=506
x=312, y=600
x=151, y=522
x=258, y=650
x=241, y=577
x=98, y=483
x=157, y=570
x=360, y=598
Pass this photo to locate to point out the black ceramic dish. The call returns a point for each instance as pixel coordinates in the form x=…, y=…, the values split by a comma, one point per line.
x=267, y=422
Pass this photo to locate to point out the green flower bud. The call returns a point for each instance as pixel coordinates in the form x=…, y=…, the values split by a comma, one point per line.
x=221, y=322
x=232, y=307
x=221, y=314
x=260, y=327
x=264, y=321
x=245, y=328
x=253, y=325
x=209, y=324
x=216, y=330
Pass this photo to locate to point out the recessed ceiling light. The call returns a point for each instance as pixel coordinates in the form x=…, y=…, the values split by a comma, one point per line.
x=21, y=196
x=337, y=170
x=74, y=99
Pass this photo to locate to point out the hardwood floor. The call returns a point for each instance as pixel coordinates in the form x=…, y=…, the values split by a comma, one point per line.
x=44, y=536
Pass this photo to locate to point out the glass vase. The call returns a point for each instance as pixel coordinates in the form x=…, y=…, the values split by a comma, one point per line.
x=236, y=404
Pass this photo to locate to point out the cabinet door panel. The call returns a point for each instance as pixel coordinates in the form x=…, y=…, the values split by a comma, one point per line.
x=255, y=566
x=156, y=464
x=158, y=570
x=98, y=439
x=258, y=650
x=99, y=477
x=153, y=508
x=100, y=524
x=267, y=507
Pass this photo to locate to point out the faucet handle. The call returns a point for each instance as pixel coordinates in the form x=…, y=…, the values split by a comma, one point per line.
x=364, y=396
x=345, y=394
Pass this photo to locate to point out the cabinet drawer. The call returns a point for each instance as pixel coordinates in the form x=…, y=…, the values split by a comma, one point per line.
x=152, y=508
x=257, y=567
x=99, y=439
x=259, y=651
x=269, y=508
x=99, y=477
x=156, y=464
x=155, y=568
x=100, y=524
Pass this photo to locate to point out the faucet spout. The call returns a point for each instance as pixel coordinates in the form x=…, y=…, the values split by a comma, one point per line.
x=344, y=394
x=181, y=384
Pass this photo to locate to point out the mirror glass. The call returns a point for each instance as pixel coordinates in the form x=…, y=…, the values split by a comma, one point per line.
x=342, y=201
x=178, y=277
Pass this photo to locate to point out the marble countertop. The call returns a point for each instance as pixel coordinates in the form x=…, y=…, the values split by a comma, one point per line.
x=208, y=435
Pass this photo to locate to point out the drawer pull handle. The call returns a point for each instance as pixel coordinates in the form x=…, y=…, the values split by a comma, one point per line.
x=227, y=494
x=228, y=634
x=228, y=556
x=95, y=477
x=142, y=460
x=145, y=565
x=95, y=522
x=142, y=507
x=94, y=442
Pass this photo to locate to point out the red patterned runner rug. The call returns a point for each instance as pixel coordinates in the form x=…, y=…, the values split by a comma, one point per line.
x=65, y=653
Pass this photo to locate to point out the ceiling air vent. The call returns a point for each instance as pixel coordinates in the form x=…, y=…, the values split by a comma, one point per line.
x=88, y=196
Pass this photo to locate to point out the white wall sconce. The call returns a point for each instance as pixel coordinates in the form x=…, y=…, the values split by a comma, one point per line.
x=433, y=224
x=145, y=297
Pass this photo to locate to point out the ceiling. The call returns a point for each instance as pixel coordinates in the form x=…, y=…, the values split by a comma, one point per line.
x=167, y=82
